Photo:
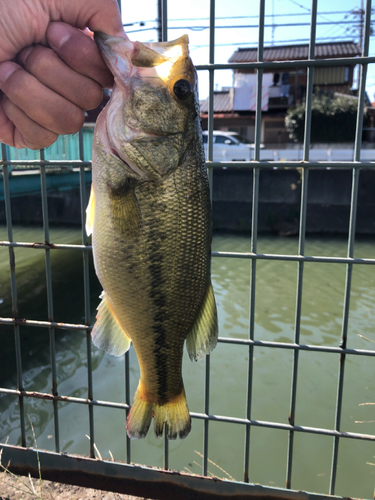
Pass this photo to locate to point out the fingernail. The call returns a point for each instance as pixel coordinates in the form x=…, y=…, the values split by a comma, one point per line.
x=6, y=69
x=57, y=35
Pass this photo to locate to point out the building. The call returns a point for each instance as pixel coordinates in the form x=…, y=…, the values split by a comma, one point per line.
x=234, y=108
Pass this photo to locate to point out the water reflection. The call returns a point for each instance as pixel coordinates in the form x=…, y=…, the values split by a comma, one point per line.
x=321, y=323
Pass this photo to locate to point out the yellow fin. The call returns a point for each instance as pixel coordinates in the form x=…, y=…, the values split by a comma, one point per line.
x=139, y=418
x=202, y=339
x=125, y=213
x=175, y=413
x=107, y=333
x=90, y=210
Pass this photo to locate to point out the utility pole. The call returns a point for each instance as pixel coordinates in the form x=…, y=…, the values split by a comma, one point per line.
x=361, y=22
x=358, y=29
x=162, y=21
x=160, y=29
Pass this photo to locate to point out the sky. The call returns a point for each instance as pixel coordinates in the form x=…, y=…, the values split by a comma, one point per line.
x=236, y=24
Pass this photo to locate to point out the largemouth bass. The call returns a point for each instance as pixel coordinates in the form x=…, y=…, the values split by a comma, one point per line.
x=150, y=218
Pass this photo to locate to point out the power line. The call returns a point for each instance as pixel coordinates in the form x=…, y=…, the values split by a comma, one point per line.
x=245, y=17
x=322, y=23
x=335, y=27
x=247, y=26
x=300, y=6
x=284, y=42
x=144, y=29
x=320, y=14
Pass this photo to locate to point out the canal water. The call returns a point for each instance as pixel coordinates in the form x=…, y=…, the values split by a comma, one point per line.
x=322, y=307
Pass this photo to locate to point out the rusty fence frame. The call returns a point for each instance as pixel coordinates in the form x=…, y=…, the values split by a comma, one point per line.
x=165, y=484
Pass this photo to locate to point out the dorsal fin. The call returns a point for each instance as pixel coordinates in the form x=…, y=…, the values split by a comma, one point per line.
x=172, y=47
x=145, y=57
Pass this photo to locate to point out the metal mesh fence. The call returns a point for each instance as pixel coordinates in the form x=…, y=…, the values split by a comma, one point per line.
x=339, y=353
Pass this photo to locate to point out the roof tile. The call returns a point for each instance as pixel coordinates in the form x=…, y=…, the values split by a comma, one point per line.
x=296, y=52
x=223, y=102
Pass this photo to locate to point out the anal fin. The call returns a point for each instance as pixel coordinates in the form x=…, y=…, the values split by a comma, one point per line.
x=202, y=338
x=107, y=333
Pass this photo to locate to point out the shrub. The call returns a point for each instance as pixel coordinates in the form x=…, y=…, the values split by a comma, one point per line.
x=333, y=119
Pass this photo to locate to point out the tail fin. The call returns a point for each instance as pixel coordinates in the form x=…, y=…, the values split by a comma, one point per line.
x=175, y=413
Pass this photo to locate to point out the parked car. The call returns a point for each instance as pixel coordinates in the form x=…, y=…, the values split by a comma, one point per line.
x=229, y=146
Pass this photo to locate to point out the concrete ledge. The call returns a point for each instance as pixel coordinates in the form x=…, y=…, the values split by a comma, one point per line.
x=138, y=480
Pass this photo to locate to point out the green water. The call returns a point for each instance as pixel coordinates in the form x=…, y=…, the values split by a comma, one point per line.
x=322, y=307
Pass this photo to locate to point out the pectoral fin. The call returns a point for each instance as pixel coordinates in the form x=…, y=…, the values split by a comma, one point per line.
x=107, y=333
x=125, y=213
x=90, y=210
x=203, y=336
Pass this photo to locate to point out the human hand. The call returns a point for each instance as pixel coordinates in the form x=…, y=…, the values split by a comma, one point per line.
x=50, y=71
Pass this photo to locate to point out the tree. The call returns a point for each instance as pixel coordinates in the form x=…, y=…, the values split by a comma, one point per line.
x=333, y=119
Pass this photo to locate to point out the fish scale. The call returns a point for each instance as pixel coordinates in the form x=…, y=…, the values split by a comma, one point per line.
x=150, y=218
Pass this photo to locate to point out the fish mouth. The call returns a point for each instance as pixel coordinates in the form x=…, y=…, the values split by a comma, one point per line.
x=104, y=135
x=113, y=152
x=116, y=52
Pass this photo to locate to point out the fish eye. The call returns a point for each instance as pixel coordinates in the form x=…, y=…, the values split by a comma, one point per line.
x=182, y=89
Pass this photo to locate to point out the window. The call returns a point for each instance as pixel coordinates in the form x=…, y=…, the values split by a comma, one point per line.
x=222, y=139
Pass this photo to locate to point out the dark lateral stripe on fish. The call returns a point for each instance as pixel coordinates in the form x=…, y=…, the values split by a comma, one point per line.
x=159, y=300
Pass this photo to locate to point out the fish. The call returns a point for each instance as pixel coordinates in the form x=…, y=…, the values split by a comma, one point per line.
x=149, y=215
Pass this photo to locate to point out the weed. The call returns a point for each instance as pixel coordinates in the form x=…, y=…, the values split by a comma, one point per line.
x=29, y=490
x=218, y=466
x=363, y=337
x=23, y=486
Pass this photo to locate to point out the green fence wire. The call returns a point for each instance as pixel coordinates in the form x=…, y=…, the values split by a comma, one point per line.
x=75, y=152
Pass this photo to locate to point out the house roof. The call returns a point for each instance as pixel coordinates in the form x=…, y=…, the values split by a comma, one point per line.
x=296, y=52
x=223, y=102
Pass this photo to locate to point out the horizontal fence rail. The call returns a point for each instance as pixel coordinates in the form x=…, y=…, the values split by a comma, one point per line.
x=164, y=484
x=279, y=65
x=136, y=480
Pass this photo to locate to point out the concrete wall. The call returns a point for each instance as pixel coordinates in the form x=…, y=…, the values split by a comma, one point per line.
x=328, y=202
x=64, y=208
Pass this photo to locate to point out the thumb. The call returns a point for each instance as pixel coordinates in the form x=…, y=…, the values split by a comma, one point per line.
x=98, y=15
x=18, y=28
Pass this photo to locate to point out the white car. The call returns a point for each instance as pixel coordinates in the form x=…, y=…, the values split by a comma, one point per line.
x=229, y=146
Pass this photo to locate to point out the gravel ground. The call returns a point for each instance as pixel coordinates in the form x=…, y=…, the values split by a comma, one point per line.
x=19, y=488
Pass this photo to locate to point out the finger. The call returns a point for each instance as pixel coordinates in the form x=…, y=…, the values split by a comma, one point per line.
x=79, y=52
x=25, y=132
x=52, y=72
x=25, y=23
x=39, y=103
x=6, y=126
x=98, y=15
